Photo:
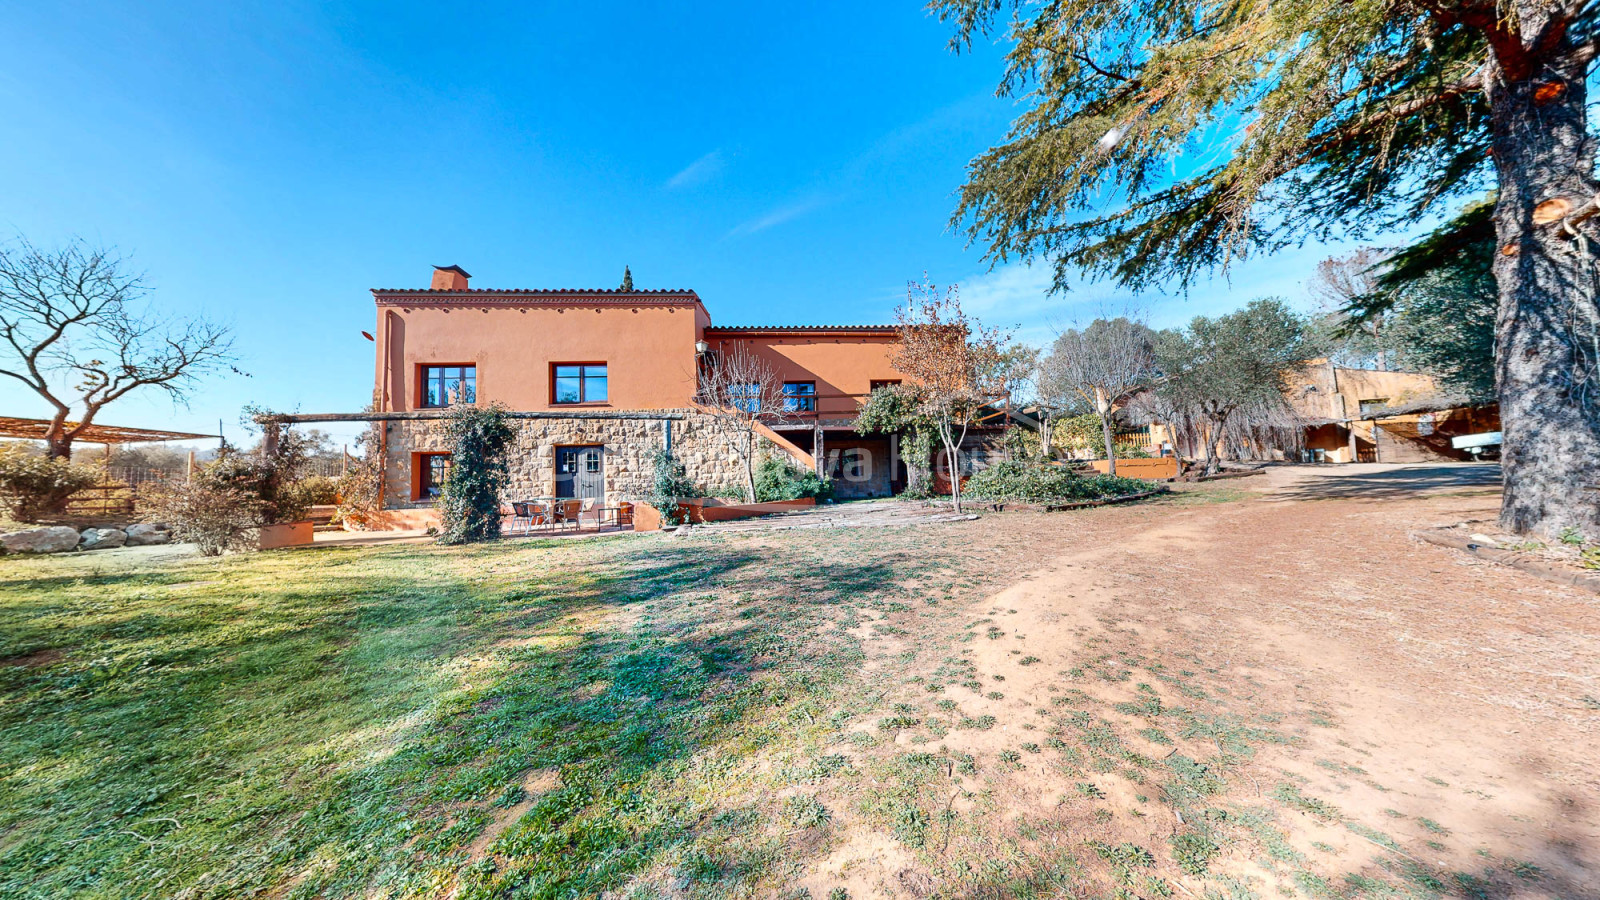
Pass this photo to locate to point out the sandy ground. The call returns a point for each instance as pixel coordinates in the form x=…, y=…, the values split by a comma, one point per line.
x=1456, y=691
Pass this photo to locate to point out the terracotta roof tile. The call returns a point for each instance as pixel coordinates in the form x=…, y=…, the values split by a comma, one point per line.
x=799, y=328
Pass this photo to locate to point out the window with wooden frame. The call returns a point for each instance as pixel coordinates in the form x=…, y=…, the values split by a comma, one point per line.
x=882, y=383
x=745, y=397
x=574, y=383
x=446, y=384
x=433, y=469
x=800, y=396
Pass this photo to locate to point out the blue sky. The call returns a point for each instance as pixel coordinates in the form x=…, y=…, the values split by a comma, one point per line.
x=267, y=164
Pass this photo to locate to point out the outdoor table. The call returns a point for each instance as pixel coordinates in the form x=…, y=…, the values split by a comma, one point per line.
x=544, y=509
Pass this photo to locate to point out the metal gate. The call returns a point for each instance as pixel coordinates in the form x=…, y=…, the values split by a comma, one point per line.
x=581, y=472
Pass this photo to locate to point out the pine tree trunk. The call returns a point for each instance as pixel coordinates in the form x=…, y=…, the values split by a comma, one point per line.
x=1544, y=359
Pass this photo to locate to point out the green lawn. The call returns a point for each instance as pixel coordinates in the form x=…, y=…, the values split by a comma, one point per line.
x=340, y=720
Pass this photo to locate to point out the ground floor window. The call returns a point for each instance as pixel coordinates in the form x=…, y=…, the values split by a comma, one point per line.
x=432, y=471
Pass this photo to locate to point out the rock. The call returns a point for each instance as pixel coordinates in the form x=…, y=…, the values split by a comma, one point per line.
x=101, y=538
x=55, y=539
x=142, y=535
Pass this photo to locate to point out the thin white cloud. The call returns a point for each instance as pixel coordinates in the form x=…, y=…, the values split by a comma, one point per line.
x=698, y=172
x=777, y=216
x=1017, y=297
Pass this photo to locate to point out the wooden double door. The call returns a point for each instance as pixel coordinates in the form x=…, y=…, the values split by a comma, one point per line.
x=581, y=472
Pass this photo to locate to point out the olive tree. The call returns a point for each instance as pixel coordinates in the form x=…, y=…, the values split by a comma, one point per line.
x=1217, y=370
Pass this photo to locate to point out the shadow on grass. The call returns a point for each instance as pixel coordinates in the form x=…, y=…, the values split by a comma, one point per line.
x=327, y=724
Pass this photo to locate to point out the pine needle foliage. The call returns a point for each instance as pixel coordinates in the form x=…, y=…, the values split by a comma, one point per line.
x=1322, y=116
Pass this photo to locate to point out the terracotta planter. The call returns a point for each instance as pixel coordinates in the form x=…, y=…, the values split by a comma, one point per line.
x=1158, y=469
x=648, y=518
x=286, y=534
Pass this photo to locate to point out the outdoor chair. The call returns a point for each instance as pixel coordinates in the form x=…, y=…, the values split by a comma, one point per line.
x=567, y=513
x=590, y=505
x=528, y=513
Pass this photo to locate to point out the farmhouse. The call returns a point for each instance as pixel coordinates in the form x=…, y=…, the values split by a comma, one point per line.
x=598, y=380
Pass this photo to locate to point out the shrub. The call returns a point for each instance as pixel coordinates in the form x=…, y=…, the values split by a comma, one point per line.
x=670, y=487
x=269, y=481
x=778, y=478
x=32, y=484
x=319, y=490
x=358, y=488
x=1033, y=482
x=469, y=502
x=210, y=514
x=1078, y=434
x=1130, y=450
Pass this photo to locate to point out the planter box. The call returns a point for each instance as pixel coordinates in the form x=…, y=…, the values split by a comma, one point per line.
x=648, y=518
x=1158, y=469
x=287, y=534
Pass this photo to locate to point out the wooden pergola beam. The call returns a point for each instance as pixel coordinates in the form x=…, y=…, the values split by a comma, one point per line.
x=37, y=429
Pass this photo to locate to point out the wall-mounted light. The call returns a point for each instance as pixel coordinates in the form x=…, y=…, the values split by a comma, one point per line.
x=701, y=348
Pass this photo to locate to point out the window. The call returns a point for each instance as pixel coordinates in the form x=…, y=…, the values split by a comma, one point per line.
x=887, y=382
x=800, y=396
x=1368, y=407
x=580, y=383
x=432, y=470
x=745, y=397
x=444, y=385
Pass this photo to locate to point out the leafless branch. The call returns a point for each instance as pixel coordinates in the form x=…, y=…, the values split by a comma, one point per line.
x=71, y=332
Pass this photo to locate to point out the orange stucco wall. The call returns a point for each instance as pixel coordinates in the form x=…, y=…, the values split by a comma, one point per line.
x=648, y=350
x=843, y=365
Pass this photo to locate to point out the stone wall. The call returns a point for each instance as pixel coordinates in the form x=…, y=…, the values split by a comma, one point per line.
x=629, y=445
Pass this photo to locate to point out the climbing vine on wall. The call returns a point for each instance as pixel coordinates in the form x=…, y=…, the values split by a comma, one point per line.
x=470, y=499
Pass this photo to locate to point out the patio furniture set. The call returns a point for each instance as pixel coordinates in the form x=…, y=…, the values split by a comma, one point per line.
x=554, y=514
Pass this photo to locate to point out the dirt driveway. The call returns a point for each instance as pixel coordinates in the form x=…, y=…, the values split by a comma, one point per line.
x=1434, y=718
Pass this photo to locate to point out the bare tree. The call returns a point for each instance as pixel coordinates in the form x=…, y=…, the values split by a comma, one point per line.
x=1339, y=282
x=71, y=332
x=1099, y=365
x=958, y=367
x=741, y=392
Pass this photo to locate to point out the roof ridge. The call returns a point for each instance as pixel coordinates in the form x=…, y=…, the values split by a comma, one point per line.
x=802, y=327
x=558, y=291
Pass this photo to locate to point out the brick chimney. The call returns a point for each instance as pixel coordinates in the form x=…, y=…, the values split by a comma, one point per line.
x=449, y=278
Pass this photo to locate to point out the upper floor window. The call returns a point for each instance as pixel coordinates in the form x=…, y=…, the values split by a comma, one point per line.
x=745, y=397
x=444, y=385
x=580, y=383
x=883, y=383
x=800, y=396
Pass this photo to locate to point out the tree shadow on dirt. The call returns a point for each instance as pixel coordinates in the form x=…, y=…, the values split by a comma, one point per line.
x=1397, y=484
